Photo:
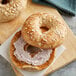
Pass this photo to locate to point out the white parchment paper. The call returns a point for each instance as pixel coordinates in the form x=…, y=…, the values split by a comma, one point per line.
x=4, y=51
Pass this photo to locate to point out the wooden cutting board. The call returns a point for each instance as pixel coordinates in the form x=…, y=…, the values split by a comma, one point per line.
x=6, y=29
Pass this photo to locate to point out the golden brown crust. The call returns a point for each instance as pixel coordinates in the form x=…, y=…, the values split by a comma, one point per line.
x=11, y=10
x=23, y=65
x=52, y=38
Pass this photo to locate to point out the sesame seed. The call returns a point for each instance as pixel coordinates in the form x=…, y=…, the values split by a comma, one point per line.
x=44, y=39
x=12, y=11
x=14, y=5
x=6, y=13
x=11, y=8
x=17, y=5
x=31, y=37
x=39, y=44
x=50, y=20
x=33, y=30
x=62, y=36
x=53, y=39
x=11, y=2
x=25, y=28
x=28, y=32
x=30, y=23
x=57, y=32
x=40, y=22
x=7, y=9
x=31, y=33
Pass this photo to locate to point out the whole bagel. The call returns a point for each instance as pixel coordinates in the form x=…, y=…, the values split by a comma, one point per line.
x=51, y=38
x=9, y=9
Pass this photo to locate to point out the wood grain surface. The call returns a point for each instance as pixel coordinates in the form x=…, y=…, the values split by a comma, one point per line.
x=6, y=29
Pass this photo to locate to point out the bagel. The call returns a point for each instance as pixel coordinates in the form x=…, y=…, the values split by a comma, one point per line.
x=53, y=36
x=24, y=65
x=10, y=9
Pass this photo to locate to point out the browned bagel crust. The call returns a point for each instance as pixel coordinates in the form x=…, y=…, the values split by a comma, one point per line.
x=23, y=65
x=11, y=10
x=52, y=38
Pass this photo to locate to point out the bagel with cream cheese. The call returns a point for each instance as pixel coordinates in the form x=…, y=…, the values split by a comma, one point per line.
x=39, y=60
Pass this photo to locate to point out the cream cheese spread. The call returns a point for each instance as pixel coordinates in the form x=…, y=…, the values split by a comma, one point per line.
x=23, y=55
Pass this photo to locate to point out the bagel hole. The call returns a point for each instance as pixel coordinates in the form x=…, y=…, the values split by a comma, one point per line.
x=33, y=50
x=44, y=29
x=4, y=1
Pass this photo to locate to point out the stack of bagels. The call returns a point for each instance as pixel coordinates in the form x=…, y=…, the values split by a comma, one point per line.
x=33, y=47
